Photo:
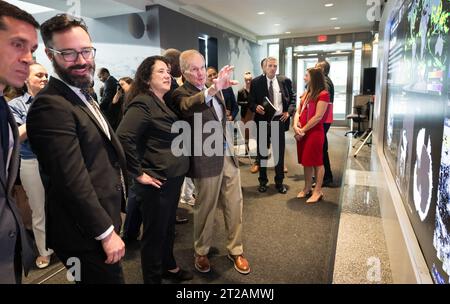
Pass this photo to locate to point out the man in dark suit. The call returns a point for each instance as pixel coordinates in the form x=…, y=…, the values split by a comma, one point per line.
x=278, y=89
x=18, y=40
x=109, y=90
x=328, y=176
x=81, y=156
x=215, y=175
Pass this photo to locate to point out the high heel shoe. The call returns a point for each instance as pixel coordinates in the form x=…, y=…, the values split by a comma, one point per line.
x=311, y=201
x=303, y=194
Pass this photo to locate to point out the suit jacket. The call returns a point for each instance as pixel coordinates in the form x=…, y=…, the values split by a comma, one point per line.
x=191, y=100
x=169, y=100
x=146, y=136
x=84, y=196
x=242, y=100
x=330, y=88
x=110, y=89
x=259, y=90
x=11, y=225
x=230, y=101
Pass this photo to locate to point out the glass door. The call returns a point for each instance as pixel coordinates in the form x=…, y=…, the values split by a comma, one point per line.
x=342, y=87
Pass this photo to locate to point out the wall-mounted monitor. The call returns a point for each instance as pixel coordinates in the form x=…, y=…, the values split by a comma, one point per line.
x=417, y=131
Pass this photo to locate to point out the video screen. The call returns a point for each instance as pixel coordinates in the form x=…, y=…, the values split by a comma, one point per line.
x=417, y=121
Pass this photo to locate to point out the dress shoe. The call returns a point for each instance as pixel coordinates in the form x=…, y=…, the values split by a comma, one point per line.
x=180, y=275
x=311, y=200
x=190, y=202
x=42, y=261
x=281, y=188
x=255, y=168
x=327, y=183
x=240, y=263
x=262, y=188
x=202, y=263
x=181, y=220
x=303, y=194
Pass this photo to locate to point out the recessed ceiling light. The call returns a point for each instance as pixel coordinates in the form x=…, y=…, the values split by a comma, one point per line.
x=277, y=24
x=261, y=13
x=333, y=18
x=329, y=4
x=287, y=32
x=337, y=27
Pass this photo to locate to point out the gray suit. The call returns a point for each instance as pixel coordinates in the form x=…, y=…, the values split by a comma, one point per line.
x=12, y=230
x=216, y=178
x=190, y=100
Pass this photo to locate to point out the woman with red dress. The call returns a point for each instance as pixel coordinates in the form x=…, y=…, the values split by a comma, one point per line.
x=308, y=128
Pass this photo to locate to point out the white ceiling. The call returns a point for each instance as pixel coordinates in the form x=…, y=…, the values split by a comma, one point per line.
x=299, y=17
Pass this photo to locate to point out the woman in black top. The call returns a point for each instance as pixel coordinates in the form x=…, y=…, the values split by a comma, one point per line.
x=145, y=133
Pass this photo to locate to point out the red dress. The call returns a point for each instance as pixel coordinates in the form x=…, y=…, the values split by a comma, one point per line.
x=310, y=147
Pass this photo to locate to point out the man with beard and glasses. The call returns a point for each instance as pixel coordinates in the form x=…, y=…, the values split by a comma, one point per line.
x=81, y=157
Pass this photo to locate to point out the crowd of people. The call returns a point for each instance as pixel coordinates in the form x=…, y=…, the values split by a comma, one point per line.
x=83, y=162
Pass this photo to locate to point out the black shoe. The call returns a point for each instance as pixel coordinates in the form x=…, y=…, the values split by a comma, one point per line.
x=281, y=188
x=328, y=183
x=262, y=188
x=181, y=275
x=181, y=220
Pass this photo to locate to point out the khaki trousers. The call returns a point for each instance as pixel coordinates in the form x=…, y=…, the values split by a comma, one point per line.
x=224, y=192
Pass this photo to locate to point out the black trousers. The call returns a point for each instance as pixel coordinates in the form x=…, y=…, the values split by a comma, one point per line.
x=278, y=151
x=93, y=269
x=158, y=209
x=326, y=160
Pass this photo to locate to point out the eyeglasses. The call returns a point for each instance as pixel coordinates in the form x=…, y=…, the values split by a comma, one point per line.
x=72, y=55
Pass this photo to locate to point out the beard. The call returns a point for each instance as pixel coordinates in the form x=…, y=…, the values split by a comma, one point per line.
x=81, y=82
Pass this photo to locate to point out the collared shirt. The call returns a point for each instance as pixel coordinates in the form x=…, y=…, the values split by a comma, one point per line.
x=215, y=104
x=277, y=102
x=100, y=119
x=19, y=107
x=105, y=128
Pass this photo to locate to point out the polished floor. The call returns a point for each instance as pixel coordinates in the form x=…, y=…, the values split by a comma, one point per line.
x=339, y=240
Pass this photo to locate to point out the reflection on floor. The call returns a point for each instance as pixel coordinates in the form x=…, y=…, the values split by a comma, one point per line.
x=361, y=253
x=285, y=240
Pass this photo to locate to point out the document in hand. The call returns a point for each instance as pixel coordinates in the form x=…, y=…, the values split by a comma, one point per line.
x=269, y=108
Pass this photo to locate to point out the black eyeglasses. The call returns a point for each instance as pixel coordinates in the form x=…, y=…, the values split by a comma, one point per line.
x=72, y=55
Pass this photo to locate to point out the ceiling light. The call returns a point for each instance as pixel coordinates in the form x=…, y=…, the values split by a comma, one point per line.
x=287, y=32
x=277, y=24
x=329, y=4
x=333, y=18
x=261, y=13
x=337, y=27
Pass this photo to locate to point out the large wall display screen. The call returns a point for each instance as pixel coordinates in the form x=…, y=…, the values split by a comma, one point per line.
x=417, y=131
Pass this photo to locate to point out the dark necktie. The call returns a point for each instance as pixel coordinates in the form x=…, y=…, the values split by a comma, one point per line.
x=91, y=101
x=271, y=91
x=4, y=128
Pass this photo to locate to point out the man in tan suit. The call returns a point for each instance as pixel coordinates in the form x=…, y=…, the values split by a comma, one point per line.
x=216, y=177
